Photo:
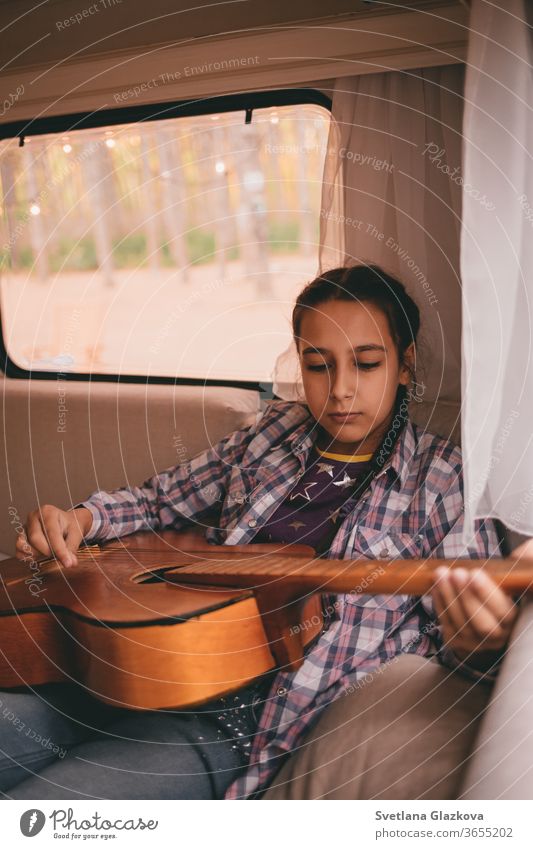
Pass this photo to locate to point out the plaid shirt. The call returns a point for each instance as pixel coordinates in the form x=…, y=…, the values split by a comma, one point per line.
x=412, y=509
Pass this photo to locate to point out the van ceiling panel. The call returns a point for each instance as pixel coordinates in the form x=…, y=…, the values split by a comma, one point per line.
x=159, y=63
x=123, y=24
x=109, y=25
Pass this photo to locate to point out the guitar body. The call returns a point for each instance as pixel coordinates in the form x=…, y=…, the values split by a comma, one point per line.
x=115, y=625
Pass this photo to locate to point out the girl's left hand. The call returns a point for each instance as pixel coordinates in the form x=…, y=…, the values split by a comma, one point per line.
x=476, y=616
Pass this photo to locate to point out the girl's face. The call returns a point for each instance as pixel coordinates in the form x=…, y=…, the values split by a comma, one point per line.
x=350, y=365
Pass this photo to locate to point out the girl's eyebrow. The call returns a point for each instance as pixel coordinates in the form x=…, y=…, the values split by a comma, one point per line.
x=358, y=348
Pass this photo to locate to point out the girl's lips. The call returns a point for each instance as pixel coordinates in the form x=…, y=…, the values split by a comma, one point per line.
x=343, y=415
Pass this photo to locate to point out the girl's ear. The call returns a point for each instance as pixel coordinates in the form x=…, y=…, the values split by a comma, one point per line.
x=407, y=369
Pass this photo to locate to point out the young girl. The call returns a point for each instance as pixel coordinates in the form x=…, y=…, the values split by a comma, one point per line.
x=346, y=472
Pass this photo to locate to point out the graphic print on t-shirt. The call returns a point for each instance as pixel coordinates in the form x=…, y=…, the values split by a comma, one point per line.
x=317, y=500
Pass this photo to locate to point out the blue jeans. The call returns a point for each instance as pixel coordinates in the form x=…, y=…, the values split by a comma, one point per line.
x=57, y=742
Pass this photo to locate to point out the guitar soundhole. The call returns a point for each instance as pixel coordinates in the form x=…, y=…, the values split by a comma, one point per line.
x=161, y=575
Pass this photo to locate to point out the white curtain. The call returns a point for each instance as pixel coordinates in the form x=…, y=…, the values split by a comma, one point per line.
x=497, y=267
x=392, y=195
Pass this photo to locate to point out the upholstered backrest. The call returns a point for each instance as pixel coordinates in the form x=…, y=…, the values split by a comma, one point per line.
x=64, y=440
x=440, y=417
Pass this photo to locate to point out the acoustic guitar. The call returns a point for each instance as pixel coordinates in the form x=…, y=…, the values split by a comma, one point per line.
x=167, y=620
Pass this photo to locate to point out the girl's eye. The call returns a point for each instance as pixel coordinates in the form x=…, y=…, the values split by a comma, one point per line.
x=363, y=366
x=367, y=366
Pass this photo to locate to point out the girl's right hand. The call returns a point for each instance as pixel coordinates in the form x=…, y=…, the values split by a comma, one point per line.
x=54, y=533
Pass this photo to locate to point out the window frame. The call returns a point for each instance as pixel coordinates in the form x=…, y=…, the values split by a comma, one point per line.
x=245, y=102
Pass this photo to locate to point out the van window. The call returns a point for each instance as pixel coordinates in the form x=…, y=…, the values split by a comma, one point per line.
x=171, y=248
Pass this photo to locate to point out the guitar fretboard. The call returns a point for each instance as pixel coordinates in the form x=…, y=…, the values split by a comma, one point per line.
x=343, y=576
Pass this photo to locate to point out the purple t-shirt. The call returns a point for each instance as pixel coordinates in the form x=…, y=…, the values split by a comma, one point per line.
x=317, y=500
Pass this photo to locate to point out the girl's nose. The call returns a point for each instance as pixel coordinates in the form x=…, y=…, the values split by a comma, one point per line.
x=342, y=385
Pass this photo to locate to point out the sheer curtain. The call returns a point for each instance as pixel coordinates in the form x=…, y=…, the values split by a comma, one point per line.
x=497, y=268
x=392, y=195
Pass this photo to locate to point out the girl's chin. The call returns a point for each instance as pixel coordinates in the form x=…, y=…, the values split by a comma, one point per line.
x=348, y=433
x=347, y=427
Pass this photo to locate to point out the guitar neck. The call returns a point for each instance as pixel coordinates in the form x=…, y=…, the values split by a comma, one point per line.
x=308, y=574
